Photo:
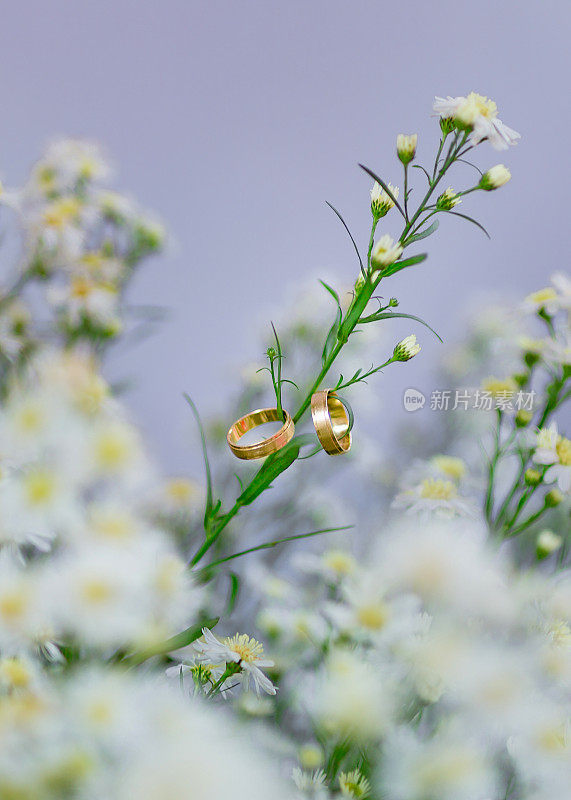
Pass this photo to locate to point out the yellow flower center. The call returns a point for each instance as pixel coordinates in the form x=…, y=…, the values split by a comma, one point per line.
x=61, y=212
x=563, y=449
x=487, y=108
x=40, y=488
x=248, y=649
x=453, y=467
x=15, y=673
x=499, y=386
x=373, y=616
x=181, y=491
x=437, y=489
x=542, y=296
x=339, y=561
x=96, y=591
x=12, y=605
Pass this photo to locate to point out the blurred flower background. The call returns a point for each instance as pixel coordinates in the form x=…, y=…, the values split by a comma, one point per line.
x=394, y=624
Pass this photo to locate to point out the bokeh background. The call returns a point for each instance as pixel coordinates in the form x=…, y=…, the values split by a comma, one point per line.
x=236, y=121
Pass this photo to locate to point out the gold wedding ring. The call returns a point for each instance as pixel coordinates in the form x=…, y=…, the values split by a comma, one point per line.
x=250, y=421
x=331, y=422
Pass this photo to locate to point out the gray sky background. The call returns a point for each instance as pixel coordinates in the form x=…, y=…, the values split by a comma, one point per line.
x=237, y=120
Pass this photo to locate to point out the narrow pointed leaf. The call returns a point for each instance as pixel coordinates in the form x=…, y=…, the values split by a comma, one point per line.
x=466, y=217
x=332, y=336
x=233, y=595
x=408, y=262
x=385, y=187
x=182, y=639
x=208, y=506
x=417, y=166
x=350, y=235
x=275, y=543
x=423, y=234
x=331, y=291
x=392, y=315
x=273, y=466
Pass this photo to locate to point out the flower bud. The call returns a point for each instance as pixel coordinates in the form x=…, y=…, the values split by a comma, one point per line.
x=393, y=302
x=547, y=543
x=386, y=251
x=532, y=477
x=523, y=418
x=467, y=113
x=406, y=147
x=447, y=125
x=381, y=203
x=531, y=359
x=553, y=498
x=448, y=200
x=406, y=349
x=271, y=353
x=494, y=178
x=360, y=282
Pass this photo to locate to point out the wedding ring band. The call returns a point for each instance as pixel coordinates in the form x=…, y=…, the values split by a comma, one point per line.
x=250, y=421
x=331, y=422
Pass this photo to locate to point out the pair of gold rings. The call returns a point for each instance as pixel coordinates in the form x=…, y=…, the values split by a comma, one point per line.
x=330, y=419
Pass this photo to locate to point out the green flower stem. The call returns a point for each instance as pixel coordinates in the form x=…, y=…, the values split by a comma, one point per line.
x=405, y=166
x=348, y=324
x=231, y=669
x=489, y=504
x=372, y=241
x=529, y=521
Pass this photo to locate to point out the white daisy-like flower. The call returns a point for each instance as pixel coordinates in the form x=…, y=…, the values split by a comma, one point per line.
x=562, y=284
x=554, y=451
x=385, y=252
x=546, y=298
x=434, y=496
x=242, y=650
x=381, y=202
x=558, y=351
x=480, y=114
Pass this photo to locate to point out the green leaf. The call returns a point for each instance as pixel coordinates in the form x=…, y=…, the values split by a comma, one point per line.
x=470, y=219
x=417, y=166
x=408, y=262
x=182, y=639
x=233, y=596
x=350, y=236
x=331, y=291
x=331, y=336
x=350, y=414
x=268, y=545
x=278, y=383
x=423, y=234
x=273, y=466
x=385, y=187
x=393, y=314
x=209, y=503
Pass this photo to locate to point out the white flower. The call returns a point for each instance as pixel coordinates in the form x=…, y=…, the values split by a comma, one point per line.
x=247, y=653
x=562, y=283
x=546, y=298
x=554, y=451
x=385, y=252
x=434, y=496
x=480, y=114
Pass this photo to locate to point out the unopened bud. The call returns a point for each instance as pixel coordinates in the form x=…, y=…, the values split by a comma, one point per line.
x=406, y=147
x=448, y=200
x=553, y=498
x=406, y=349
x=494, y=178
x=532, y=477
x=393, y=302
x=381, y=202
x=523, y=418
x=547, y=543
